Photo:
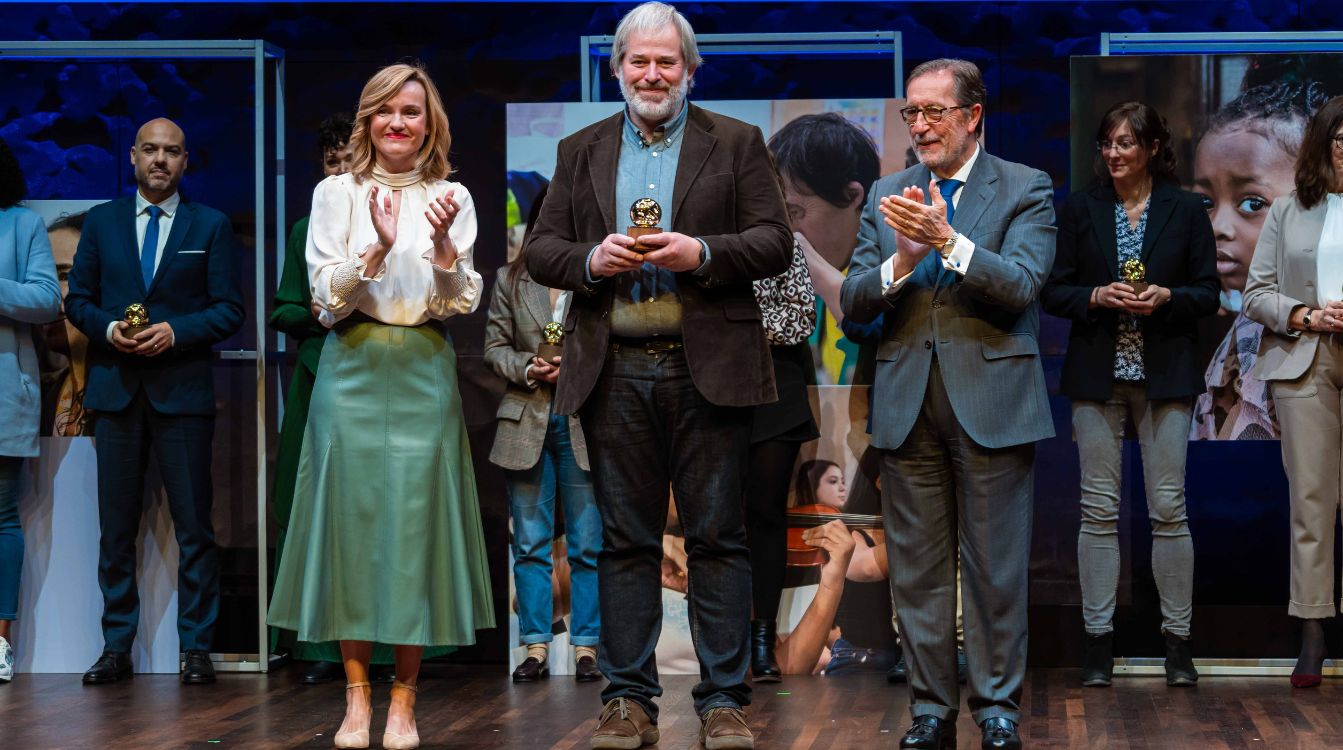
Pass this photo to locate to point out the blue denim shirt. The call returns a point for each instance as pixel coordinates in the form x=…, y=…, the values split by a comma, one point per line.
x=647, y=302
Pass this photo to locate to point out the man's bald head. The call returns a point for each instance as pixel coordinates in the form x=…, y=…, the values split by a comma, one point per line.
x=159, y=158
x=161, y=128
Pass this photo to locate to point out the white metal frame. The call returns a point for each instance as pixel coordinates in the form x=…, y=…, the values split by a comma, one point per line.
x=1221, y=43
x=259, y=52
x=593, y=50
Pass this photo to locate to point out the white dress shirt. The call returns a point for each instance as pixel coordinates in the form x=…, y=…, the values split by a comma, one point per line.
x=409, y=289
x=1329, y=258
x=142, y=204
x=958, y=259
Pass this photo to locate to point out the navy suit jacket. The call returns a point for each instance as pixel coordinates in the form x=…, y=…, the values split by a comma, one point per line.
x=194, y=290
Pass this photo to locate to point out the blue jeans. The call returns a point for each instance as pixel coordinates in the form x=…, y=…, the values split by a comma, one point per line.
x=531, y=499
x=649, y=428
x=11, y=537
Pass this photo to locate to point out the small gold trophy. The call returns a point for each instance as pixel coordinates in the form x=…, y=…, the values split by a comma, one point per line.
x=1135, y=275
x=553, y=345
x=645, y=213
x=137, y=320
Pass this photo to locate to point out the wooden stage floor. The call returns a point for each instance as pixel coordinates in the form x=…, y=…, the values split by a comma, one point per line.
x=459, y=708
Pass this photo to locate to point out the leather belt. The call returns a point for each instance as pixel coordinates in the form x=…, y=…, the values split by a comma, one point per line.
x=648, y=346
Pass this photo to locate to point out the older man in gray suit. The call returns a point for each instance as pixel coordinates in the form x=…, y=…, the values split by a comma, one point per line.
x=959, y=397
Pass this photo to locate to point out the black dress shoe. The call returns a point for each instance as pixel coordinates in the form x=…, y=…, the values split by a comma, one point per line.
x=586, y=670
x=198, y=670
x=110, y=667
x=382, y=674
x=899, y=673
x=1099, y=664
x=763, y=666
x=1000, y=733
x=323, y=672
x=530, y=670
x=1180, y=671
x=930, y=733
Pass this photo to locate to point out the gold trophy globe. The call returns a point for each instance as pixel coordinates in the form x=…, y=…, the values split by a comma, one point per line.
x=137, y=320
x=1135, y=275
x=553, y=344
x=645, y=214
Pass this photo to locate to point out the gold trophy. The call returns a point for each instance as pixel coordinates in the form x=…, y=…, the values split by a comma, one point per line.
x=1135, y=275
x=645, y=213
x=553, y=346
x=137, y=320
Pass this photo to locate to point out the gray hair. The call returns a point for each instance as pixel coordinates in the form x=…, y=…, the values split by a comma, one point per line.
x=968, y=82
x=652, y=17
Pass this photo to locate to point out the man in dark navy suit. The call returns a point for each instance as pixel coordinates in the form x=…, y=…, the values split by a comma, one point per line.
x=153, y=390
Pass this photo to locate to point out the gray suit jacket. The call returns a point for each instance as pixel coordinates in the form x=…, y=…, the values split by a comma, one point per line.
x=984, y=325
x=29, y=296
x=512, y=336
x=1282, y=278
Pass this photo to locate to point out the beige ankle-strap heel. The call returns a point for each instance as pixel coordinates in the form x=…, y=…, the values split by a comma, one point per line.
x=357, y=739
x=394, y=741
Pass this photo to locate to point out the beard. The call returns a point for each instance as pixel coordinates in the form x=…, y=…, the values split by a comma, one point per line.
x=652, y=111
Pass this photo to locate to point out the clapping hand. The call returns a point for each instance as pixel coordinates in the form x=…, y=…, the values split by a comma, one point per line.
x=921, y=223
x=442, y=212
x=898, y=212
x=384, y=214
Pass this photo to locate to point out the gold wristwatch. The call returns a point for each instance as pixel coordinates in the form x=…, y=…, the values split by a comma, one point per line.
x=946, y=247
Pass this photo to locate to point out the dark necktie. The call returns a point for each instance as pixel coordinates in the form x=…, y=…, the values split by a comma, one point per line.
x=150, y=247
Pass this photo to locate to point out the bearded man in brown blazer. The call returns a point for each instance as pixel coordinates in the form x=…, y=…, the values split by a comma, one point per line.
x=664, y=352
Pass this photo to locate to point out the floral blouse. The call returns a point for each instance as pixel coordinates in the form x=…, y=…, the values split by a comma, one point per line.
x=1128, y=339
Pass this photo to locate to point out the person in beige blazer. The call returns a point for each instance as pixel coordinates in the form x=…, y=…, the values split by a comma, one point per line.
x=1294, y=289
x=545, y=459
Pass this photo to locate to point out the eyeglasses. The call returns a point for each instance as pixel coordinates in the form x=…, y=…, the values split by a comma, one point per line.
x=1123, y=146
x=932, y=114
x=1338, y=141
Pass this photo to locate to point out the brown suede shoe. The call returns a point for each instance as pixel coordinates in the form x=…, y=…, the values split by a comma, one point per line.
x=624, y=725
x=725, y=728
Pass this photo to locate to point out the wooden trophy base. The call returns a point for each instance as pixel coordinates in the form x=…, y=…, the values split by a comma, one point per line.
x=548, y=352
x=636, y=233
x=1138, y=286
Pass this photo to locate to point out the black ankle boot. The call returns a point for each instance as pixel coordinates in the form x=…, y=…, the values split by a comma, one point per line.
x=1180, y=671
x=1098, y=666
x=763, y=666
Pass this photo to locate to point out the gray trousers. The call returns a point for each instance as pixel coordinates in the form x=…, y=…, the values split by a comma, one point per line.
x=1163, y=435
x=941, y=491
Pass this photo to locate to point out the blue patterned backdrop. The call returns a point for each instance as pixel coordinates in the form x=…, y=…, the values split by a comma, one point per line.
x=72, y=123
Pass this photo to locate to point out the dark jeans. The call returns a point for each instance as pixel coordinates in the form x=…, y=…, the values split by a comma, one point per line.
x=647, y=428
x=11, y=537
x=181, y=445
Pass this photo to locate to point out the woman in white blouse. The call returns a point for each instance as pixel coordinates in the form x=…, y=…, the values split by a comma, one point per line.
x=1294, y=289
x=385, y=539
